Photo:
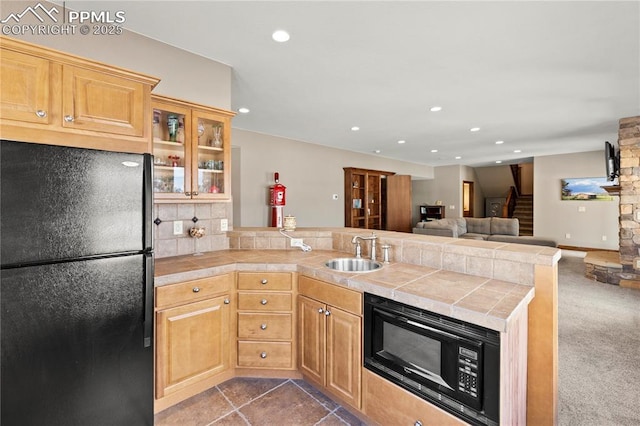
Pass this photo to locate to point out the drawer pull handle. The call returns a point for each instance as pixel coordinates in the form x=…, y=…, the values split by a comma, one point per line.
x=417, y=423
x=263, y=327
x=196, y=289
x=327, y=312
x=69, y=118
x=263, y=301
x=41, y=113
x=263, y=355
x=227, y=301
x=264, y=281
x=320, y=310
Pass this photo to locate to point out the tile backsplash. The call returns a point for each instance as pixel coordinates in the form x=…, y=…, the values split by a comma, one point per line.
x=209, y=216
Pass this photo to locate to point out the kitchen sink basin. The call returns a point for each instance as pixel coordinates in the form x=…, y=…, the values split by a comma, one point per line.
x=353, y=264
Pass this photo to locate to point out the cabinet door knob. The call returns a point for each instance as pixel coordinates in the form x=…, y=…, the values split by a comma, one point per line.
x=227, y=301
x=188, y=194
x=41, y=113
x=320, y=310
x=263, y=355
x=195, y=194
x=263, y=326
x=196, y=289
x=264, y=281
x=327, y=312
x=69, y=118
x=417, y=423
x=263, y=301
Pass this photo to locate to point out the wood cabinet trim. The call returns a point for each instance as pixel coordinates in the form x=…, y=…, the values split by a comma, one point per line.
x=155, y=97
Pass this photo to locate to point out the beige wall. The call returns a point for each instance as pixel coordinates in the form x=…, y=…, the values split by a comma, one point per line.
x=553, y=218
x=446, y=186
x=311, y=173
x=495, y=180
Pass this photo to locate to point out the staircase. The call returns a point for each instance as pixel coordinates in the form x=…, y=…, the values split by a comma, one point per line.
x=524, y=212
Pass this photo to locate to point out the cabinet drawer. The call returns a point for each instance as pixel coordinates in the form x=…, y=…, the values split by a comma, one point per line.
x=265, y=301
x=265, y=354
x=190, y=291
x=332, y=294
x=387, y=404
x=264, y=326
x=264, y=281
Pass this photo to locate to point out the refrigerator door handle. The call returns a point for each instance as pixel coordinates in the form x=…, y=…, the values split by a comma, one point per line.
x=148, y=202
x=148, y=300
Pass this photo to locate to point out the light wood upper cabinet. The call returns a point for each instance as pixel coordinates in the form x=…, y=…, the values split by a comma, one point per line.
x=192, y=149
x=24, y=94
x=102, y=103
x=56, y=98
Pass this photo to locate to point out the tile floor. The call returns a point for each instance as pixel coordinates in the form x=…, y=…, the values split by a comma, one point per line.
x=255, y=402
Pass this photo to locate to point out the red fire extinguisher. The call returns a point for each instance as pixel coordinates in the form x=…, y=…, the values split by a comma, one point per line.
x=277, y=200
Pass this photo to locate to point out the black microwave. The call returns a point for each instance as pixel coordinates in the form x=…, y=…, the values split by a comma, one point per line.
x=450, y=363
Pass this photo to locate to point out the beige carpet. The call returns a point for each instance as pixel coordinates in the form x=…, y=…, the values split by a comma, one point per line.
x=599, y=350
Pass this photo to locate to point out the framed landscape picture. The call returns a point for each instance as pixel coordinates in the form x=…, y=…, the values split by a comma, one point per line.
x=585, y=189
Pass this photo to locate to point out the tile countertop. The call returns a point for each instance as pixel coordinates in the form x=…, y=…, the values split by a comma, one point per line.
x=487, y=302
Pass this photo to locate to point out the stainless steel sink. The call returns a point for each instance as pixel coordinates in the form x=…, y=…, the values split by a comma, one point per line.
x=352, y=264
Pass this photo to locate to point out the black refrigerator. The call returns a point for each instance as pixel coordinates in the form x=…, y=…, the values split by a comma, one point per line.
x=76, y=287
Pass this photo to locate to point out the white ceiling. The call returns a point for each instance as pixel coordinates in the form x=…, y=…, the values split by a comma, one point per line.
x=544, y=77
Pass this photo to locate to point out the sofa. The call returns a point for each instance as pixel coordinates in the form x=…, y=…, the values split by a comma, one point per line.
x=497, y=229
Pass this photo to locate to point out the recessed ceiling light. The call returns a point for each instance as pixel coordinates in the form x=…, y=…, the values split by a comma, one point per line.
x=474, y=129
x=458, y=157
x=434, y=150
x=517, y=151
x=355, y=128
x=498, y=161
x=401, y=142
x=435, y=109
x=243, y=110
x=377, y=151
x=280, y=36
x=499, y=142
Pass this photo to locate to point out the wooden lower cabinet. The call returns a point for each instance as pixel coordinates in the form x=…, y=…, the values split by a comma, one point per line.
x=330, y=339
x=266, y=321
x=388, y=404
x=193, y=337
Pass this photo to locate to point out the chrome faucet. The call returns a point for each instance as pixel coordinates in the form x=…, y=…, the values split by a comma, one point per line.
x=356, y=240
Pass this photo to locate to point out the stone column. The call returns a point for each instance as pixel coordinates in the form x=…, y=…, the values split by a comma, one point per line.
x=629, y=141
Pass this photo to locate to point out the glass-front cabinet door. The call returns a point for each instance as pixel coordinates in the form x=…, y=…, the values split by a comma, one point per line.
x=171, y=151
x=210, y=154
x=192, y=150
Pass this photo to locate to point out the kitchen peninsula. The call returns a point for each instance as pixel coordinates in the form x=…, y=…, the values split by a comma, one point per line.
x=482, y=283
